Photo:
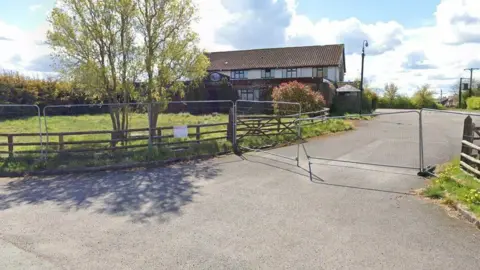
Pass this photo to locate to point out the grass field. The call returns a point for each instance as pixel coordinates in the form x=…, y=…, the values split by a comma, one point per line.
x=455, y=186
x=58, y=124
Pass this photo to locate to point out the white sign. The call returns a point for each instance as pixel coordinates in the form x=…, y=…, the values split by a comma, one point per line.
x=180, y=132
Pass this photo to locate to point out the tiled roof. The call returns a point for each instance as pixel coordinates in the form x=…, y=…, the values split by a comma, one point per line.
x=310, y=56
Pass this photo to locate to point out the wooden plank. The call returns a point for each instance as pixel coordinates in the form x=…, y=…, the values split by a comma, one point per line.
x=469, y=168
x=24, y=144
x=60, y=143
x=198, y=135
x=22, y=152
x=472, y=159
x=213, y=132
x=10, y=145
x=471, y=145
x=129, y=146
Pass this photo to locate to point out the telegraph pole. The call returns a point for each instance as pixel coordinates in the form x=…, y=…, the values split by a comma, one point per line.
x=471, y=80
x=460, y=92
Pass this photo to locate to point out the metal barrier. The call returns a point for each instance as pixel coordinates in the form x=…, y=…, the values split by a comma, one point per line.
x=442, y=135
x=391, y=139
x=266, y=124
x=105, y=134
x=15, y=117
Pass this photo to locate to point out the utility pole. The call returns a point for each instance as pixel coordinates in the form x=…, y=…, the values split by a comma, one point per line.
x=471, y=80
x=460, y=92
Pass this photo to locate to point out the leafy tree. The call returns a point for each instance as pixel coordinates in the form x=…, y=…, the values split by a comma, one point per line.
x=424, y=98
x=297, y=92
x=93, y=43
x=169, y=51
x=391, y=92
x=114, y=47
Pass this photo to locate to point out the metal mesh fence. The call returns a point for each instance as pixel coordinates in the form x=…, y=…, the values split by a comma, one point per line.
x=21, y=140
x=385, y=139
x=80, y=136
x=20, y=130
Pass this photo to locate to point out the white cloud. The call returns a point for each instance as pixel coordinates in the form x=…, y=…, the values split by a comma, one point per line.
x=409, y=57
x=435, y=54
x=212, y=15
x=20, y=49
x=35, y=7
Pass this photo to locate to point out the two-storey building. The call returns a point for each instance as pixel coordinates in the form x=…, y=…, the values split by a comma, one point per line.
x=252, y=73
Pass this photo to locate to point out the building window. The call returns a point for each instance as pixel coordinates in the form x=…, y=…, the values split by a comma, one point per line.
x=291, y=73
x=249, y=94
x=322, y=72
x=239, y=74
x=267, y=73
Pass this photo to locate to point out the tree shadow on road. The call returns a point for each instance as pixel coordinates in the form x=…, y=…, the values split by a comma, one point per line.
x=139, y=195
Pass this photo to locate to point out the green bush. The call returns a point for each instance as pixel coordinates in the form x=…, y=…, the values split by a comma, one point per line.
x=400, y=102
x=473, y=103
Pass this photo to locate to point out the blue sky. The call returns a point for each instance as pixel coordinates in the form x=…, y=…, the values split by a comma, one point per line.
x=410, y=13
x=25, y=14
x=412, y=42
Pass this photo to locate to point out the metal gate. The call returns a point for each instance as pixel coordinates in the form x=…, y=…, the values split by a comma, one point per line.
x=260, y=125
x=391, y=139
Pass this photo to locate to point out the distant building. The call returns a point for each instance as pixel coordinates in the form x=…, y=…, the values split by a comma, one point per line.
x=251, y=74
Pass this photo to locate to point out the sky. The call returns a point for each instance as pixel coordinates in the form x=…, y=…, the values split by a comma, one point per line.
x=412, y=42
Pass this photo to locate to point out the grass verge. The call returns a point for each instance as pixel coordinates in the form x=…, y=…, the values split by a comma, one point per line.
x=455, y=186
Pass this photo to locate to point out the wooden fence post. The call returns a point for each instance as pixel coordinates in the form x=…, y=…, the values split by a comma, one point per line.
x=230, y=125
x=60, y=142
x=468, y=128
x=198, y=134
x=159, y=134
x=10, y=145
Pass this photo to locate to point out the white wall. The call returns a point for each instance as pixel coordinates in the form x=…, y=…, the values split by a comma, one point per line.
x=254, y=74
x=332, y=74
x=305, y=72
x=278, y=73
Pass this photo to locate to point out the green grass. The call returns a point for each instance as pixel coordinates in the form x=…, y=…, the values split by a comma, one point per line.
x=454, y=185
x=57, y=124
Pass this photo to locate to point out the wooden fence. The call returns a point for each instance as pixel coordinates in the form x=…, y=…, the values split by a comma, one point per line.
x=470, y=155
x=60, y=142
x=123, y=137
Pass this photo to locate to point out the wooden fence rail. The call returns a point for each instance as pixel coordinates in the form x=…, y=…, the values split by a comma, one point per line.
x=58, y=142
x=158, y=140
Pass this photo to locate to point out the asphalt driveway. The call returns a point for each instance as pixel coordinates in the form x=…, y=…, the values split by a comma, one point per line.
x=260, y=212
